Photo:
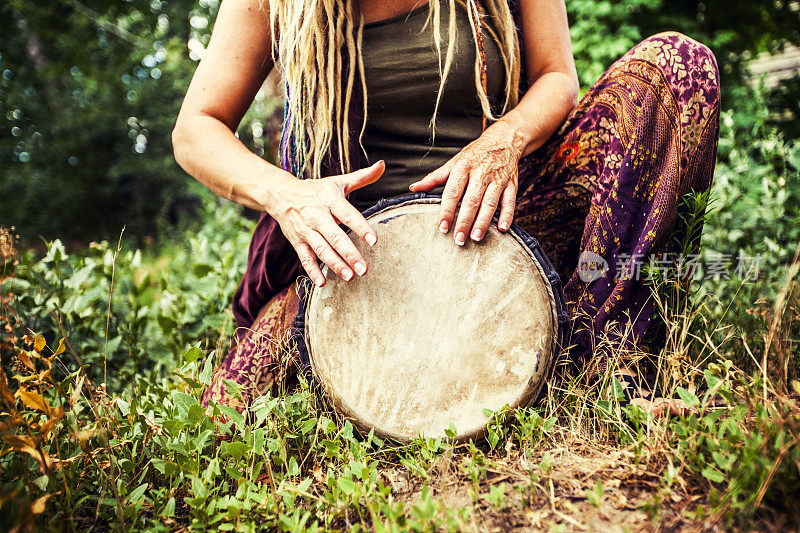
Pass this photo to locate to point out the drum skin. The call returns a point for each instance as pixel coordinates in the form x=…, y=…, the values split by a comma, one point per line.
x=434, y=334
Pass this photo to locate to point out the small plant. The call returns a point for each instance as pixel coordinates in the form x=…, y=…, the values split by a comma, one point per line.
x=595, y=495
x=496, y=496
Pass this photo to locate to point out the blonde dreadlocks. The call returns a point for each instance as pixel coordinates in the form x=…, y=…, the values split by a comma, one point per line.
x=320, y=73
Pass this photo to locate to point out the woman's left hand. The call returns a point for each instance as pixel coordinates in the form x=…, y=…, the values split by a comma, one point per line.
x=485, y=174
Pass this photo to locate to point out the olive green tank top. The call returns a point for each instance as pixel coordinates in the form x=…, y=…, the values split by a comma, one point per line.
x=401, y=70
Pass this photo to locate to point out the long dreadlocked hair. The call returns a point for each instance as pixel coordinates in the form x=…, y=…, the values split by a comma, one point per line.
x=317, y=47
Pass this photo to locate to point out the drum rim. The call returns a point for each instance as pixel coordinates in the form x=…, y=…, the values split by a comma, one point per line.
x=531, y=245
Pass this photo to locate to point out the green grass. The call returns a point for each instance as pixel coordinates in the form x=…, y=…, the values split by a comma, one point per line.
x=146, y=456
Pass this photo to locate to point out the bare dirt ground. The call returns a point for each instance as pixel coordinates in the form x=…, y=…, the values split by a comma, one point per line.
x=561, y=497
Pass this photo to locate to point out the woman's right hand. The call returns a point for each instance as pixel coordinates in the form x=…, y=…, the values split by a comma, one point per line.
x=309, y=213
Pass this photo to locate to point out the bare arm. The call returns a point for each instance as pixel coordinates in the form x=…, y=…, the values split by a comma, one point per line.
x=551, y=73
x=235, y=65
x=485, y=171
x=237, y=61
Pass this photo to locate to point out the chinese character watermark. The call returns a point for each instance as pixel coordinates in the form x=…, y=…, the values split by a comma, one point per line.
x=715, y=266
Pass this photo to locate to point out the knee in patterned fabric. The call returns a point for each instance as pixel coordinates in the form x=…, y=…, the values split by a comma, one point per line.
x=689, y=70
x=664, y=48
x=693, y=50
x=679, y=56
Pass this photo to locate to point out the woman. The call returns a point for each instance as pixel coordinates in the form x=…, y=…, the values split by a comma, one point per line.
x=479, y=97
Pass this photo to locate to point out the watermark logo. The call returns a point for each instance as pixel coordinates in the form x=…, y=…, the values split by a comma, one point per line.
x=591, y=266
x=714, y=266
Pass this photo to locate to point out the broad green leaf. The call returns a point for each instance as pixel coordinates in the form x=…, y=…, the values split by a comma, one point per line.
x=617, y=389
x=137, y=493
x=169, y=509
x=711, y=379
x=196, y=413
x=208, y=369
x=346, y=486
x=292, y=469
x=713, y=475
x=42, y=482
x=688, y=398
x=235, y=449
x=123, y=406
x=232, y=414
x=201, y=270
x=167, y=325
x=200, y=441
x=182, y=403
x=303, y=486
x=308, y=426
x=192, y=354
x=326, y=424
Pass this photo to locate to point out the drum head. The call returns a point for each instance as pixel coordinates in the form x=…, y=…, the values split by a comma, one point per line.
x=434, y=333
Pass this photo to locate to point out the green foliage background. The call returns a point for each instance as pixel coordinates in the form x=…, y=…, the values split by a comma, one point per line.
x=89, y=92
x=602, y=30
x=88, y=97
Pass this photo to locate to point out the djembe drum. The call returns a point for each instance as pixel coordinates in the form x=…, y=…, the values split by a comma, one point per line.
x=434, y=334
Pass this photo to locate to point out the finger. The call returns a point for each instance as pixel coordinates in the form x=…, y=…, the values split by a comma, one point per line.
x=344, y=248
x=491, y=199
x=508, y=203
x=470, y=203
x=351, y=217
x=453, y=190
x=325, y=252
x=360, y=178
x=309, y=263
x=434, y=179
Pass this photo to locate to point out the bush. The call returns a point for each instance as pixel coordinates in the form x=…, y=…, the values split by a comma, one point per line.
x=753, y=222
x=603, y=30
x=159, y=305
x=89, y=93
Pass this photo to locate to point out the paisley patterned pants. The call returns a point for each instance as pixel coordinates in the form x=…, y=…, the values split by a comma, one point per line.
x=606, y=186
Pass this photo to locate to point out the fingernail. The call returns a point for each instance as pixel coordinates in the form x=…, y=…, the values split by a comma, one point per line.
x=371, y=239
x=503, y=225
x=360, y=268
x=347, y=274
x=476, y=234
x=461, y=238
x=444, y=226
x=319, y=281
